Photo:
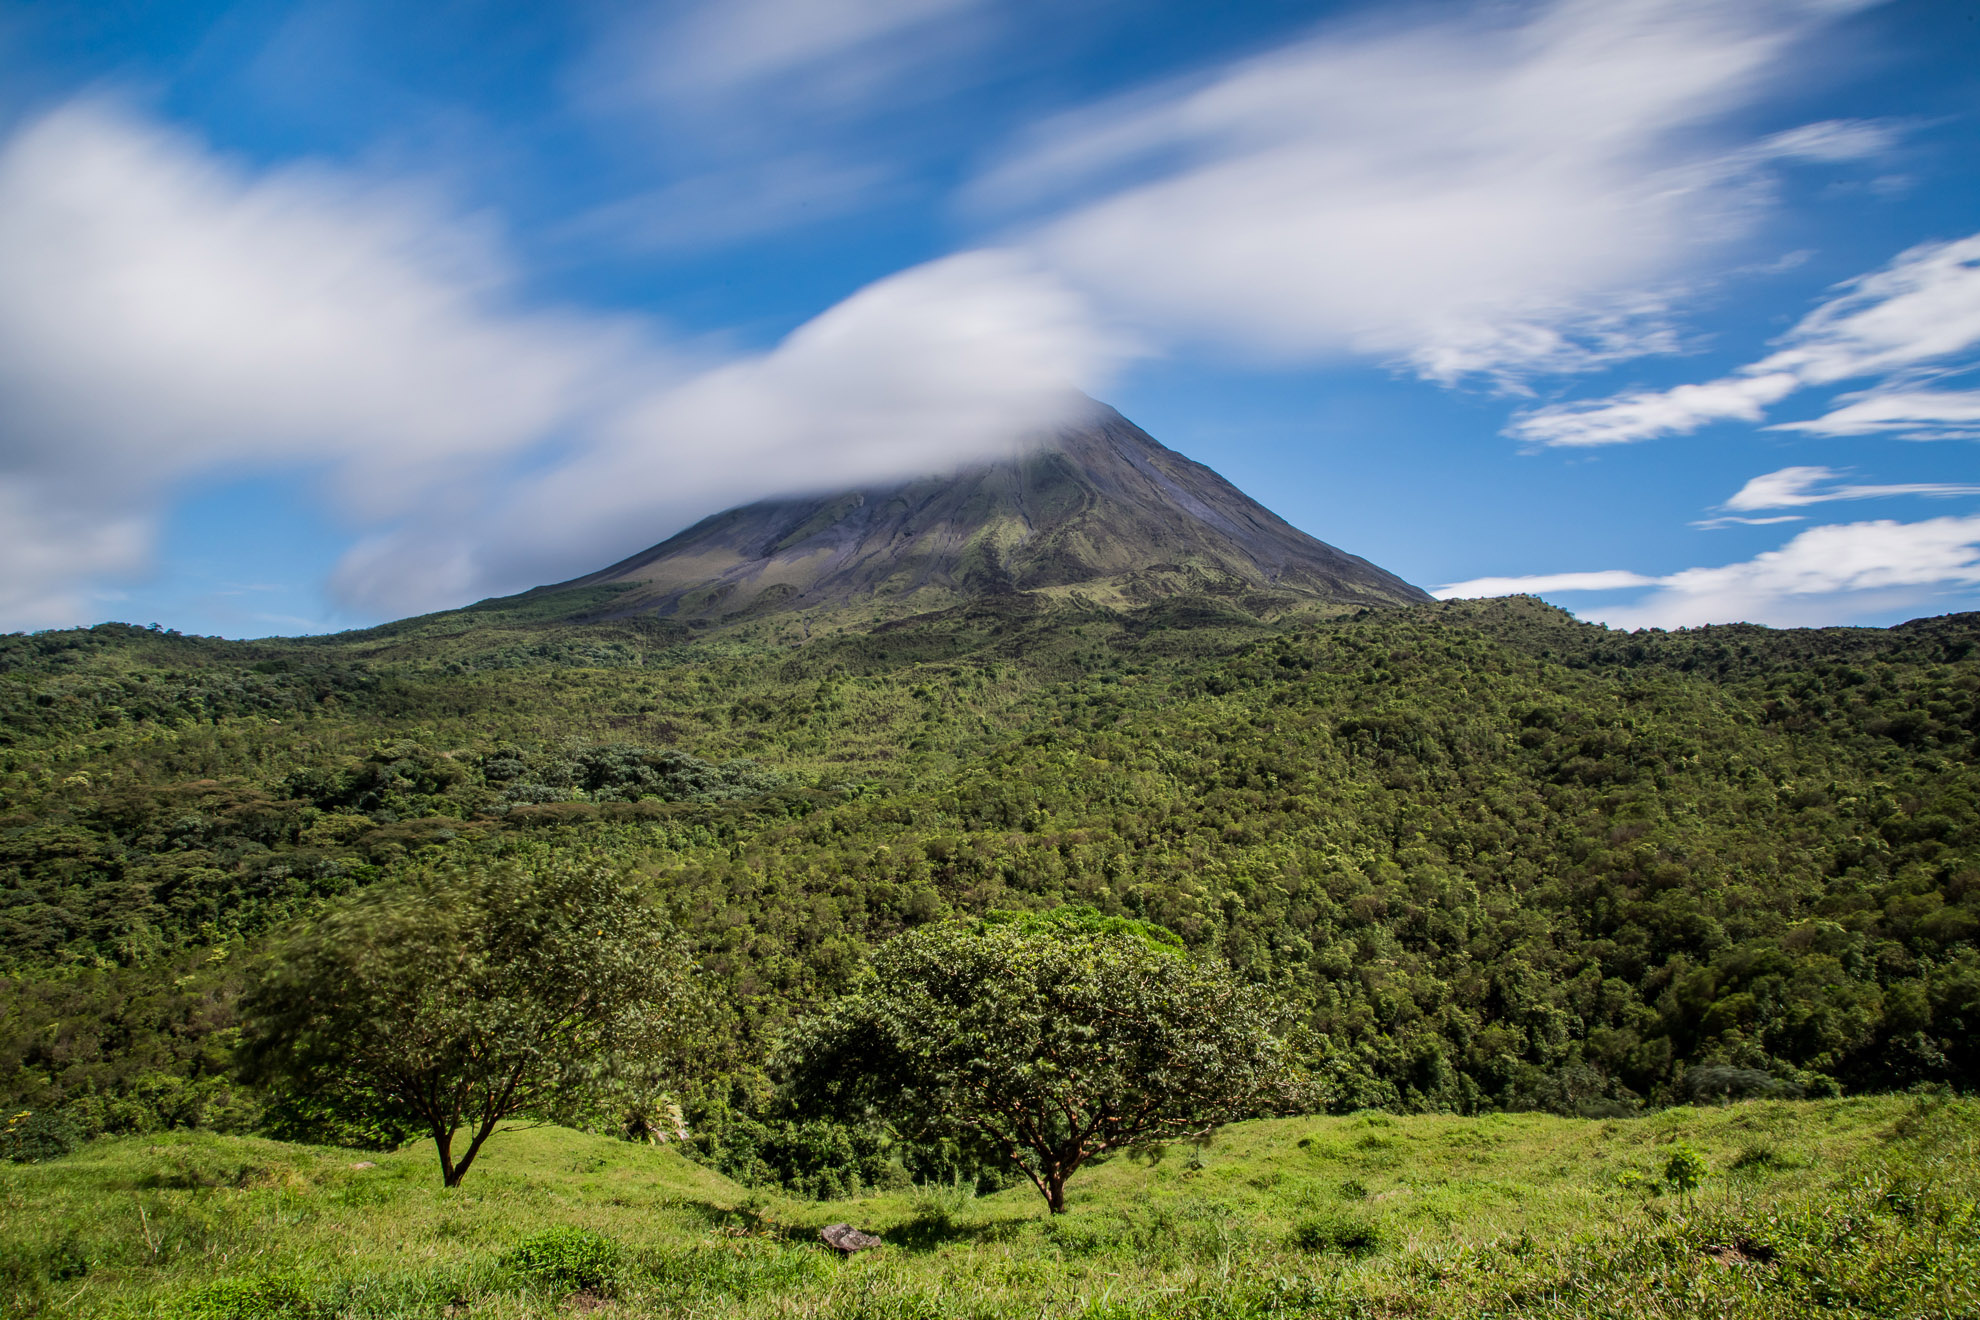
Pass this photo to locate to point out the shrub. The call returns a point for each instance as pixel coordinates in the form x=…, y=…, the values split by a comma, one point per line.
x=575, y=1259
x=1350, y=1235
x=1685, y=1169
x=1761, y=1157
x=34, y=1136
x=818, y=1159
x=243, y=1299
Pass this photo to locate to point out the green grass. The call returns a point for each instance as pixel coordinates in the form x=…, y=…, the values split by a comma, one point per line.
x=1851, y=1207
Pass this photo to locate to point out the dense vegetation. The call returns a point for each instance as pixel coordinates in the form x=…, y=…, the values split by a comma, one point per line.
x=1496, y=859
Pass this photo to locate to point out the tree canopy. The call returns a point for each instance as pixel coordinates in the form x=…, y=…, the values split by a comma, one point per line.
x=1051, y=1039
x=458, y=999
x=1498, y=858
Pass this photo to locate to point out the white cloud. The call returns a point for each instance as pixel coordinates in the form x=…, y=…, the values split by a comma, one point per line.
x=842, y=47
x=53, y=544
x=159, y=311
x=1508, y=191
x=165, y=317
x=1921, y=309
x=1645, y=414
x=1792, y=487
x=956, y=360
x=1912, y=414
x=1539, y=583
x=1823, y=575
x=1734, y=520
x=1830, y=140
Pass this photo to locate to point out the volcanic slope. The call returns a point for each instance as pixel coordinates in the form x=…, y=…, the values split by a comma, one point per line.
x=1099, y=510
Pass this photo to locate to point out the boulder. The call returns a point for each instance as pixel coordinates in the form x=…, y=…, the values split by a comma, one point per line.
x=846, y=1239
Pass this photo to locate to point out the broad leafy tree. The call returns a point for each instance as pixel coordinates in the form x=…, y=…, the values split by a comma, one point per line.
x=453, y=1001
x=1049, y=1039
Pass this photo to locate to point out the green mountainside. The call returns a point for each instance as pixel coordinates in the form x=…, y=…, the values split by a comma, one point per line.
x=1499, y=858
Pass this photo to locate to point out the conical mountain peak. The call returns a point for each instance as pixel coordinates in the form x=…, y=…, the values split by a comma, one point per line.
x=1099, y=509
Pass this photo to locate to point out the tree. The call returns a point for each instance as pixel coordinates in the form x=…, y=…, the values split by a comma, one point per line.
x=460, y=999
x=1052, y=1039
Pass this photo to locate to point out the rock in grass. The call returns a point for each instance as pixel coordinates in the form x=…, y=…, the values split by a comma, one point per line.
x=846, y=1239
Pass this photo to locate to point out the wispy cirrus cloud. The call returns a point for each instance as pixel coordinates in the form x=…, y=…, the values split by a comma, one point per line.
x=823, y=54
x=1628, y=418
x=1797, y=487
x=1494, y=193
x=1793, y=487
x=755, y=117
x=1535, y=584
x=1910, y=414
x=1921, y=312
x=1820, y=575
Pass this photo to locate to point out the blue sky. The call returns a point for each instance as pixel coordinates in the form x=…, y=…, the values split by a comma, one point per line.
x=318, y=314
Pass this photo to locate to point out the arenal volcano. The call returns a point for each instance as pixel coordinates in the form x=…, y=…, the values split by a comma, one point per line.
x=1099, y=510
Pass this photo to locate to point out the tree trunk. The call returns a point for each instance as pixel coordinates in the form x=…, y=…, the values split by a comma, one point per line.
x=1055, y=1191
x=474, y=1148
x=443, y=1141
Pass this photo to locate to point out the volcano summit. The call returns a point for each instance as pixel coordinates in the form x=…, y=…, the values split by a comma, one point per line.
x=1099, y=510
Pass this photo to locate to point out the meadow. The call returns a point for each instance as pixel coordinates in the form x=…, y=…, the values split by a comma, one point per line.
x=1852, y=1207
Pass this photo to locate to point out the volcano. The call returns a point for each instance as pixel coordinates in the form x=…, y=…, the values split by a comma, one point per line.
x=1099, y=510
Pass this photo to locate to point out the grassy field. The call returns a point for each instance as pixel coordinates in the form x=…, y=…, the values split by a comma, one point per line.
x=1843, y=1207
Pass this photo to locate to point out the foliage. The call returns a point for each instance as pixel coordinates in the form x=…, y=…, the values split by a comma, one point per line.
x=567, y=1257
x=817, y=1158
x=1685, y=1170
x=253, y=1298
x=1346, y=1233
x=31, y=1136
x=1497, y=858
x=1051, y=1039
x=465, y=998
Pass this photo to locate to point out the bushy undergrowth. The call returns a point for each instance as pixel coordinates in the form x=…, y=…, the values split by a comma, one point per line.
x=1349, y=1233
x=568, y=1258
x=34, y=1135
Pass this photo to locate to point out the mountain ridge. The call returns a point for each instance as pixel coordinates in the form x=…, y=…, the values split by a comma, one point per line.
x=1099, y=509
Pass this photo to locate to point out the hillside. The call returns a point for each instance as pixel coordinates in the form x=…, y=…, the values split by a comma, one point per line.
x=1861, y=1208
x=1500, y=858
x=1098, y=508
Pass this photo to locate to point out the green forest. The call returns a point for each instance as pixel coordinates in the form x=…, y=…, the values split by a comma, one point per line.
x=1498, y=859
x=1480, y=859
